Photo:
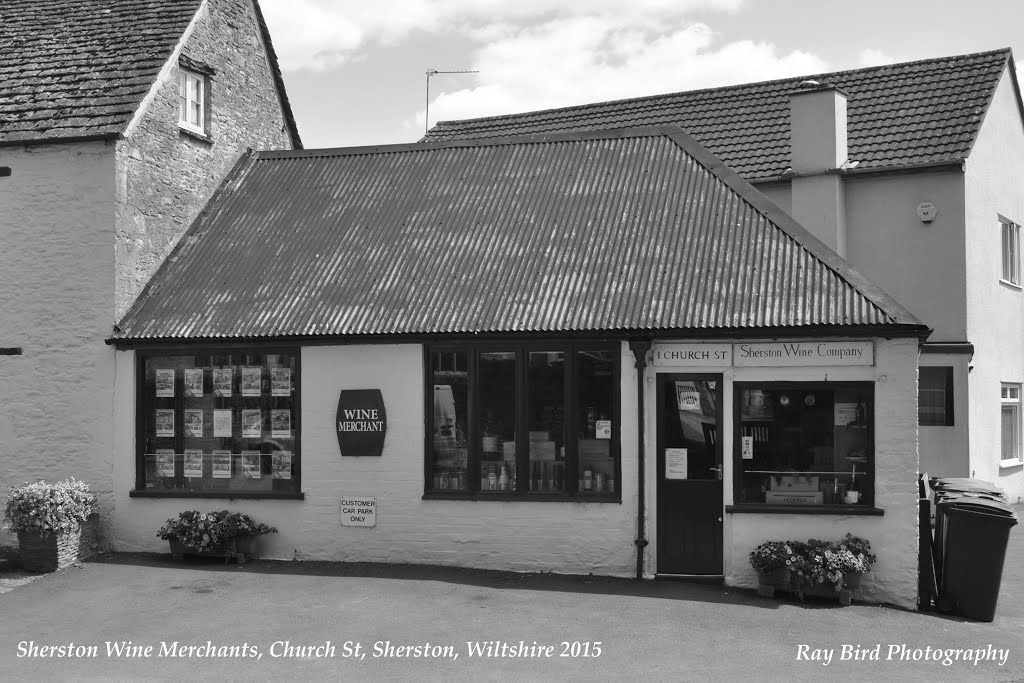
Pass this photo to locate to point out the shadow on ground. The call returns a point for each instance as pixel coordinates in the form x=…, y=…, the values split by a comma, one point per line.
x=494, y=579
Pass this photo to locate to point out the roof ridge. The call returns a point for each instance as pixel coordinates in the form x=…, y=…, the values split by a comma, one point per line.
x=722, y=88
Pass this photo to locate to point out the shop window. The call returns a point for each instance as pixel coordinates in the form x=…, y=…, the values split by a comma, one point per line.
x=1010, y=449
x=523, y=421
x=935, y=396
x=192, y=100
x=1010, y=234
x=218, y=423
x=800, y=444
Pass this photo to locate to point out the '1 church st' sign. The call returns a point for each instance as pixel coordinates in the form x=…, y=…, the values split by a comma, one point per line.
x=362, y=422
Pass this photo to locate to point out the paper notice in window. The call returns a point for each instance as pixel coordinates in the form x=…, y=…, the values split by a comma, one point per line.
x=675, y=463
x=193, y=463
x=748, y=448
x=222, y=423
x=603, y=429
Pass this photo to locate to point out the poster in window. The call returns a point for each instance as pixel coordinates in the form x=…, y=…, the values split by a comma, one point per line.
x=282, y=461
x=281, y=382
x=252, y=423
x=193, y=423
x=165, y=423
x=194, y=382
x=252, y=381
x=251, y=464
x=222, y=381
x=280, y=424
x=221, y=464
x=165, y=383
x=846, y=414
x=165, y=463
x=603, y=429
x=688, y=397
x=193, y=462
x=756, y=405
x=222, y=423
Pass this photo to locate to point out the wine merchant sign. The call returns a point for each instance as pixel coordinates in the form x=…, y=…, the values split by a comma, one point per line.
x=361, y=422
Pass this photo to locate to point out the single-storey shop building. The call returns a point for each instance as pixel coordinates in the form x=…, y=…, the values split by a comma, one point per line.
x=600, y=352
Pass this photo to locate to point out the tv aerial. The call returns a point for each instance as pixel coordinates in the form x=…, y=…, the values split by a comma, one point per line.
x=434, y=72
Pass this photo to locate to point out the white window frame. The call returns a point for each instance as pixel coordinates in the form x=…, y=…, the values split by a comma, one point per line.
x=1010, y=398
x=189, y=97
x=1009, y=239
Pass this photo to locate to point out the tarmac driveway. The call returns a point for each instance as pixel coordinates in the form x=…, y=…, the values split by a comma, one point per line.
x=206, y=620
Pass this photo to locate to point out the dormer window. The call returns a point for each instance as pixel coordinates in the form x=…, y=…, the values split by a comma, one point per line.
x=192, y=93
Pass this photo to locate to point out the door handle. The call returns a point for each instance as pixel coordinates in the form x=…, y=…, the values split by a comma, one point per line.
x=717, y=470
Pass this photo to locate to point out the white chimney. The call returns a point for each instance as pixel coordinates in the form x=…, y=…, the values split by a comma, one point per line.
x=817, y=114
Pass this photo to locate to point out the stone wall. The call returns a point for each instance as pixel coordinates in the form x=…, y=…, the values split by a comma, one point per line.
x=165, y=175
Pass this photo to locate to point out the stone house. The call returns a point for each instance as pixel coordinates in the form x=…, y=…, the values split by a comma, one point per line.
x=911, y=173
x=118, y=120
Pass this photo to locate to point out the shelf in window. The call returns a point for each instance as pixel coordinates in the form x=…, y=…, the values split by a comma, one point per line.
x=790, y=473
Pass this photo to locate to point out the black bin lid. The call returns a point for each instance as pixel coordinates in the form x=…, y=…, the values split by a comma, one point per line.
x=976, y=503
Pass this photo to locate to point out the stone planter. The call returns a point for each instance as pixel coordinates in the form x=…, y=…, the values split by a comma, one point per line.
x=240, y=549
x=50, y=552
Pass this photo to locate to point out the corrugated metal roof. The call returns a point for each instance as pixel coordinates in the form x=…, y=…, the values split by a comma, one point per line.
x=624, y=230
x=923, y=112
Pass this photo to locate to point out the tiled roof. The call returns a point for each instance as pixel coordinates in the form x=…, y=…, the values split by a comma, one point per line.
x=902, y=114
x=79, y=69
x=617, y=231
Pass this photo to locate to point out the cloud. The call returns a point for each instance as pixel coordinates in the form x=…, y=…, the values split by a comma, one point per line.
x=321, y=34
x=871, y=57
x=578, y=60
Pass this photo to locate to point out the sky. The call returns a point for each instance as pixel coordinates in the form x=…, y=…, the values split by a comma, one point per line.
x=355, y=70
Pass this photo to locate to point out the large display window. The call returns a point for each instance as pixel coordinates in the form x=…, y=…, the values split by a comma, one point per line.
x=805, y=444
x=218, y=423
x=536, y=421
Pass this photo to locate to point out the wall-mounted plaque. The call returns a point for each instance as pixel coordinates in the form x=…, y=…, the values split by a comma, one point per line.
x=361, y=422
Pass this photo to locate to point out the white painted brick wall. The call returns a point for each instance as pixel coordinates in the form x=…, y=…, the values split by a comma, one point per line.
x=56, y=293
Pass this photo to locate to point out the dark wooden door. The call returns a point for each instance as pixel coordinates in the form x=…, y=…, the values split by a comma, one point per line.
x=689, y=488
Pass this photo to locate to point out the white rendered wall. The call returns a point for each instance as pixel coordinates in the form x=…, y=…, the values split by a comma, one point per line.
x=56, y=299
x=893, y=535
x=518, y=536
x=995, y=311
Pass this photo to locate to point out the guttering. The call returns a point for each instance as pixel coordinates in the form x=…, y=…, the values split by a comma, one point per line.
x=949, y=164
x=640, y=349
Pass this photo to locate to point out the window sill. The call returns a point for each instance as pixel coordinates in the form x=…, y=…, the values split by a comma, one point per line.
x=1011, y=285
x=521, y=498
x=754, y=508
x=203, y=137
x=1013, y=462
x=240, y=495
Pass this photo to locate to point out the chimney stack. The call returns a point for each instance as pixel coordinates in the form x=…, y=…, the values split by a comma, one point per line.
x=817, y=114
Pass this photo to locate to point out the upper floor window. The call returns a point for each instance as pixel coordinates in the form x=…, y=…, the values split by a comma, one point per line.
x=192, y=97
x=1010, y=424
x=1010, y=233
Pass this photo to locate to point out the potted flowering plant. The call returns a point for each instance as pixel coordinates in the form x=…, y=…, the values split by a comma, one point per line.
x=774, y=561
x=215, y=533
x=48, y=520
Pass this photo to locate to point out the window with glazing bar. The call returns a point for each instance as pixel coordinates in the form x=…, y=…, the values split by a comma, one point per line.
x=533, y=420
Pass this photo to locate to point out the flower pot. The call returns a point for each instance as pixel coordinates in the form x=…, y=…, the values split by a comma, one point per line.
x=238, y=548
x=852, y=579
x=49, y=552
x=767, y=582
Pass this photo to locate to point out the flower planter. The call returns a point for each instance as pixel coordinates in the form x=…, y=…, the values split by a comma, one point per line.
x=767, y=582
x=852, y=579
x=240, y=549
x=49, y=552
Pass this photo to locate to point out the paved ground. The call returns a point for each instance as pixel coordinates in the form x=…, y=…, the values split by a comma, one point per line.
x=658, y=631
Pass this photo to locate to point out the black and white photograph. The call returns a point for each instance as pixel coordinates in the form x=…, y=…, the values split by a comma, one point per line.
x=442, y=340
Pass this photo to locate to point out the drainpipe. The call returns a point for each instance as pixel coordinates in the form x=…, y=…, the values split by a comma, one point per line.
x=640, y=349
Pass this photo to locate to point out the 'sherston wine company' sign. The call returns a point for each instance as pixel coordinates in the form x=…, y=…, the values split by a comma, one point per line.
x=361, y=422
